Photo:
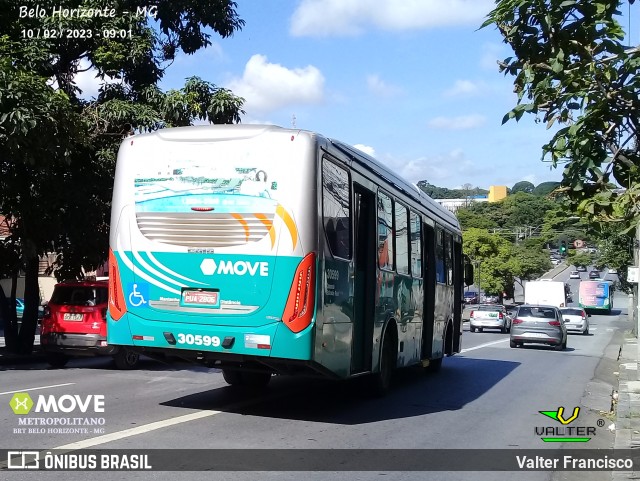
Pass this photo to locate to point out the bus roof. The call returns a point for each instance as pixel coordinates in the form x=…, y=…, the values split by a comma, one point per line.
x=410, y=190
x=201, y=133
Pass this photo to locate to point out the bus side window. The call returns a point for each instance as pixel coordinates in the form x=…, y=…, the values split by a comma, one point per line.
x=416, y=245
x=385, y=232
x=440, y=267
x=336, y=207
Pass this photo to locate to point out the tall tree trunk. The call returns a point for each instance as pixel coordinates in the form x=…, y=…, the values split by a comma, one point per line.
x=27, y=334
x=10, y=327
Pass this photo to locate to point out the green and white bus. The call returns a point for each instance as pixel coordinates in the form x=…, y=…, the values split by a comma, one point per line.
x=263, y=250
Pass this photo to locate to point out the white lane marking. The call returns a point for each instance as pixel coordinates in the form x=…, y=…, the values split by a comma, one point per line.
x=37, y=388
x=87, y=443
x=483, y=345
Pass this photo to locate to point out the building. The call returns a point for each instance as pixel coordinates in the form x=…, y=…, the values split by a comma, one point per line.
x=496, y=193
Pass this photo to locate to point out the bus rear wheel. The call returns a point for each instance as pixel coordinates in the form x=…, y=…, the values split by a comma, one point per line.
x=381, y=381
x=243, y=378
x=126, y=359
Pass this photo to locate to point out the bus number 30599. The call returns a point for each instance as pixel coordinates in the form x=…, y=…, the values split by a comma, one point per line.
x=198, y=340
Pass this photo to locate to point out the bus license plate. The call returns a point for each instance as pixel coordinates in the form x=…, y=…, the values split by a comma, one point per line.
x=70, y=316
x=207, y=298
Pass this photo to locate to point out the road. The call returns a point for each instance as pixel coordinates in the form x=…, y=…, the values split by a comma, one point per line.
x=489, y=396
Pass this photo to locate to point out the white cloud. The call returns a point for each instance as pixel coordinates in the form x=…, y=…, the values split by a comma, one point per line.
x=462, y=87
x=463, y=122
x=87, y=80
x=366, y=149
x=270, y=86
x=440, y=169
x=318, y=18
x=380, y=87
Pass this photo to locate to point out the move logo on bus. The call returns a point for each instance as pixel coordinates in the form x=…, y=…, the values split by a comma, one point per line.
x=210, y=267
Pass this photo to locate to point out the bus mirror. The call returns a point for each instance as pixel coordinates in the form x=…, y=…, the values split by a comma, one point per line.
x=468, y=274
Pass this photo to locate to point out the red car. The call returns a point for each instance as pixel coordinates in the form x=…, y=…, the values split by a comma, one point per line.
x=75, y=324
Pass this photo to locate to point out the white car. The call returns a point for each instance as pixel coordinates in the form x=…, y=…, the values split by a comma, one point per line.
x=613, y=271
x=575, y=319
x=489, y=316
x=574, y=275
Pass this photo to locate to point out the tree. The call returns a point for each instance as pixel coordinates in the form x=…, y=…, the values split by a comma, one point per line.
x=529, y=261
x=57, y=149
x=522, y=186
x=572, y=67
x=545, y=188
x=579, y=258
x=491, y=253
x=615, y=250
x=469, y=219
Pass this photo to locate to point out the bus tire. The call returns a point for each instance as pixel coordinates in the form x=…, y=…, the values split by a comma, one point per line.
x=381, y=381
x=57, y=360
x=126, y=359
x=246, y=378
x=434, y=366
x=232, y=377
x=256, y=379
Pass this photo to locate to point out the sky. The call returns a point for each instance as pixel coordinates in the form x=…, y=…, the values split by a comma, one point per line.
x=415, y=83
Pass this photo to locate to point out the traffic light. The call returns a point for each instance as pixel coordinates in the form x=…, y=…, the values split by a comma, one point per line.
x=563, y=247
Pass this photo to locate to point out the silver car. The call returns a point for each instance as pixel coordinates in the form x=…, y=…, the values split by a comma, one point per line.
x=576, y=319
x=489, y=316
x=538, y=324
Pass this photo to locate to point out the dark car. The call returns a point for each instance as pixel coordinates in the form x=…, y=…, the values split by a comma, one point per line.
x=75, y=324
x=594, y=275
x=471, y=297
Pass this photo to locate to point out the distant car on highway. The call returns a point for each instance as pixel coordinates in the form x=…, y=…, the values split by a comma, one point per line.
x=574, y=275
x=594, y=275
x=489, y=316
x=538, y=324
x=490, y=299
x=471, y=297
x=576, y=319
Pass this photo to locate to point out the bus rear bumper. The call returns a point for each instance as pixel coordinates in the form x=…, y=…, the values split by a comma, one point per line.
x=208, y=341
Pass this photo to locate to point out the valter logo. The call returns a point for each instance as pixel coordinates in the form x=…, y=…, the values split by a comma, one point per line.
x=566, y=433
x=21, y=403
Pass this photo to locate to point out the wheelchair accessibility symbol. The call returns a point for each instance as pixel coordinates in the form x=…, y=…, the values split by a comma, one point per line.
x=138, y=294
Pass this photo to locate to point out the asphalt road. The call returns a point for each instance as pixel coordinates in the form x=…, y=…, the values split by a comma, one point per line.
x=489, y=396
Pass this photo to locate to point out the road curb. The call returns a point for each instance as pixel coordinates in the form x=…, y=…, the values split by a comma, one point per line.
x=628, y=403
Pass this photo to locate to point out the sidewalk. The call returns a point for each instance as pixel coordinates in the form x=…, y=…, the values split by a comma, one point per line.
x=628, y=408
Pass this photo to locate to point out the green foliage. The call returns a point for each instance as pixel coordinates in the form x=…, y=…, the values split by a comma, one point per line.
x=469, y=219
x=615, y=250
x=572, y=68
x=580, y=258
x=491, y=255
x=522, y=186
x=58, y=148
x=443, y=193
x=545, y=188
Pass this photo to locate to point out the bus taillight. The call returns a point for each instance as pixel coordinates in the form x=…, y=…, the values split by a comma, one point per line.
x=298, y=312
x=117, y=307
